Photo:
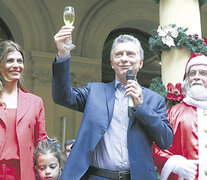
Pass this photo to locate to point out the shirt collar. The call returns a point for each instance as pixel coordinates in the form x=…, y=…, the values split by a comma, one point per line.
x=119, y=85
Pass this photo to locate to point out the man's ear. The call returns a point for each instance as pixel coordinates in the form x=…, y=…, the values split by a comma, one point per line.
x=141, y=62
x=112, y=64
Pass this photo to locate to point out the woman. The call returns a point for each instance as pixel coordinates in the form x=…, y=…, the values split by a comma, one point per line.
x=22, y=117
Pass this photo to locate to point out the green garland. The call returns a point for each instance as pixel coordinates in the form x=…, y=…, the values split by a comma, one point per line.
x=201, y=2
x=158, y=86
x=191, y=42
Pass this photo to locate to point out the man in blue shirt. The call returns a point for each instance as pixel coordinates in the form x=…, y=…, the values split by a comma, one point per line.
x=109, y=144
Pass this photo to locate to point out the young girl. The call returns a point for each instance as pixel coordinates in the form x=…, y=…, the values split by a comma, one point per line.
x=49, y=160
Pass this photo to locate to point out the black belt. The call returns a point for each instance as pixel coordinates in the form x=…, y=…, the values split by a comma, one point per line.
x=116, y=175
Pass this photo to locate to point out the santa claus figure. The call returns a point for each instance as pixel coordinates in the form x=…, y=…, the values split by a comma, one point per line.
x=187, y=157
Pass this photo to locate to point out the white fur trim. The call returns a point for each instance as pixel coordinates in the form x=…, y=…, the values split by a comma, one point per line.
x=202, y=136
x=169, y=166
x=199, y=60
x=192, y=102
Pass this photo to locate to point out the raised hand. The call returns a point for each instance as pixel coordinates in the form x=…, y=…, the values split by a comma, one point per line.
x=61, y=40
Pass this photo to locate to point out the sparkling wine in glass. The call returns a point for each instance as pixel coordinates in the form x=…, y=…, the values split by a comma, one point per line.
x=69, y=18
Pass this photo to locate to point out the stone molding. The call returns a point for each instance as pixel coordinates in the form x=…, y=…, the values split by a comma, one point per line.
x=83, y=69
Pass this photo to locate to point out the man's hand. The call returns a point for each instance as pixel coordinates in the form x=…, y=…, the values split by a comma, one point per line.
x=135, y=91
x=61, y=39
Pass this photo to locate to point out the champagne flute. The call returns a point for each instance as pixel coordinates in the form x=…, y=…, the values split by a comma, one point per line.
x=69, y=18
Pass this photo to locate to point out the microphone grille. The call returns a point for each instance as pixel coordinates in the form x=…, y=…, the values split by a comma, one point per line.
x=130, y=74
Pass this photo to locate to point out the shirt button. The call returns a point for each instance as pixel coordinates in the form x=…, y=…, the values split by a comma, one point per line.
x=205, y=112
x=205, y=172
x=102, y=131
x=205, y=130
x=206, y=145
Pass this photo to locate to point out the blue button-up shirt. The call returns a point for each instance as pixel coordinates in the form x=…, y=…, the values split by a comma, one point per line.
x=111, y=152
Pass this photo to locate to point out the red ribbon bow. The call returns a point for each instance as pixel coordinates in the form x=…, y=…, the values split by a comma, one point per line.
x=174, y=92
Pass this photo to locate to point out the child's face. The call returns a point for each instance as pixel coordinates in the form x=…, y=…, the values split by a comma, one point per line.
x=48, y=167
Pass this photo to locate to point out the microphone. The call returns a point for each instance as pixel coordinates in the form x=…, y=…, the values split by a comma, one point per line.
x=130, y=76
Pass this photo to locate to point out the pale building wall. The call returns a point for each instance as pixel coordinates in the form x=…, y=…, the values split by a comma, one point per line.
x=33, y=23
x=186, y=14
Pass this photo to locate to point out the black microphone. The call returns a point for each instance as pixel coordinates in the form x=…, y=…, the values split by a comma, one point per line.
x=130, y=76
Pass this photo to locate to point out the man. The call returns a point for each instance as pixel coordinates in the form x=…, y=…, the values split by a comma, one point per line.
x=109, y=144
x=68, y=146
x=189, y=122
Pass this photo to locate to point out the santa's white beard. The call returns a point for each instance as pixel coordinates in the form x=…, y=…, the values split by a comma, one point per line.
x=197, y=92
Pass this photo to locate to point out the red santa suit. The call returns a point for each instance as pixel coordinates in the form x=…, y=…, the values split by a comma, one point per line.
x=189, y=123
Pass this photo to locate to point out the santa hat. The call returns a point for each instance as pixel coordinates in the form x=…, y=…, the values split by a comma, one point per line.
x=195, y=59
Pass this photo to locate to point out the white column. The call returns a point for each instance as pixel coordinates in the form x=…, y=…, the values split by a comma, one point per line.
x=186, y=14
x=63, y=130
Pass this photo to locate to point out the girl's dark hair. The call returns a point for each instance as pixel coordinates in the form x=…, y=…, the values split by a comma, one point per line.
x=45, y=147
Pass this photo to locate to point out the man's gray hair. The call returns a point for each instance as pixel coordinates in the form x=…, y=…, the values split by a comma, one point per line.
x=127, y=38
x=185, y=86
